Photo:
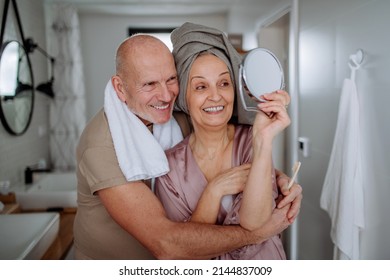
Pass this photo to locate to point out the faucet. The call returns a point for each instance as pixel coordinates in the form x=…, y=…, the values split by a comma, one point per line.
x=29, y=171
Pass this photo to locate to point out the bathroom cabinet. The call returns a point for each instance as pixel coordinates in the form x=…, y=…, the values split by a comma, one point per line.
x=10, y=205
x=64, y=241
x=11, y=208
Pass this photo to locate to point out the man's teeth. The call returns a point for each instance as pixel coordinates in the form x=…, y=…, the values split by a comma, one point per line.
x=213, y=109
x=162, y=107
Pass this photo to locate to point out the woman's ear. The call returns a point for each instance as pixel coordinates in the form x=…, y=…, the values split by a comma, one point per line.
x=118, y=87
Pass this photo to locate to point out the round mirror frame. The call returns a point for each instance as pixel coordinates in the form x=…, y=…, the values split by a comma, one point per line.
x=254, y=70
x=5, y=119
x=250, y=84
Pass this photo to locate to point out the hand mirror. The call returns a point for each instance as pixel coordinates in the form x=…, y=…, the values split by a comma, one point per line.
x=260, y=73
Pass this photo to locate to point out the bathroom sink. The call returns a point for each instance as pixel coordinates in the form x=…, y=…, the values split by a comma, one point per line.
x=28, y=235
x=50, y=190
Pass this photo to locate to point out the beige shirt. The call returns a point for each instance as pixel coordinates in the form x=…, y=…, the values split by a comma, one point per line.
x=96, y=234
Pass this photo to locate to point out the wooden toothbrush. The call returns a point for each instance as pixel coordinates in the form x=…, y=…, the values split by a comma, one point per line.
x=295, y=170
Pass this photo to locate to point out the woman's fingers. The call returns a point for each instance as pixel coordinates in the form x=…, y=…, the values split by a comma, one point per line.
x=233, y=180
x=276, y=105
x=279, y=95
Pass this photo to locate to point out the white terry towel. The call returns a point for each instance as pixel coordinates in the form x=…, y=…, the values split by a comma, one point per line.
x=140, y=154
x=342, y=193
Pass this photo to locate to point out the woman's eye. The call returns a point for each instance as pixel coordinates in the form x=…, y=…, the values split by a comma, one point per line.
x=200, y=87
x=225, y=84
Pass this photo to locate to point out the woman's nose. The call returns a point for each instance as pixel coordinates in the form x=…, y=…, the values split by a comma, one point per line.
x=214, y=94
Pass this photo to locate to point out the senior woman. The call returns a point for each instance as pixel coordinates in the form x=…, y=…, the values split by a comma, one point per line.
x=221, y=173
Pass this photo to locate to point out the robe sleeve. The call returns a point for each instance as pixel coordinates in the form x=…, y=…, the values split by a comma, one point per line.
x=176, y=207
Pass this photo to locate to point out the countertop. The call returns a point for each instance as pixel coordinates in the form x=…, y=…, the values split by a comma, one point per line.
x=27, y=235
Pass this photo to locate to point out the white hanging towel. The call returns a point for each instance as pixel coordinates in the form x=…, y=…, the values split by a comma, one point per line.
x=342, y=192
x=140, y=154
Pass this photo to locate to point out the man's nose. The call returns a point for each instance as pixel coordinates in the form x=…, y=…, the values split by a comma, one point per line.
x=165, y=94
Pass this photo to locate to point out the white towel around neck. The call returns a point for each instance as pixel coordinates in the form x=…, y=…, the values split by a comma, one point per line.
x=140, y=154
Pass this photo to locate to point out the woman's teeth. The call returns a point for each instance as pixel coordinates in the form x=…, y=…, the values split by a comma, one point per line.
x=213, y=109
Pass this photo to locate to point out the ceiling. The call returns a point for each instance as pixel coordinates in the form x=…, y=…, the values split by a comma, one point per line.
x=165, y=7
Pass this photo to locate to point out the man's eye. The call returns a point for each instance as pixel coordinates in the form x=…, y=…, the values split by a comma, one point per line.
x=172, y=80
x=149, y=86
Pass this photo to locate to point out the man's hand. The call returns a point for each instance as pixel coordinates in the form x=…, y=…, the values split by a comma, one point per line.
x=292, y=197
x=276, y=224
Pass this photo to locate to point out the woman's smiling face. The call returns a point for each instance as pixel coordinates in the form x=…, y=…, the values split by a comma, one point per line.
x=210, y=92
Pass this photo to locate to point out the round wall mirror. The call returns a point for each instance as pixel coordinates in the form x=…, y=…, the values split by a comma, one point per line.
x=260, y=73
x=16, y=88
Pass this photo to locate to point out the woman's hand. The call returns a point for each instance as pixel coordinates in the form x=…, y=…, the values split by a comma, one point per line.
x=273, y=116
x=230, y=181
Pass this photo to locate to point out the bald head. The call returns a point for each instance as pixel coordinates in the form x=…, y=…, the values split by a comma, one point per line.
x=136, y=48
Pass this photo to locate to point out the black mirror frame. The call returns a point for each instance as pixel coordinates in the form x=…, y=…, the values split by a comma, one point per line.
x=2, y=116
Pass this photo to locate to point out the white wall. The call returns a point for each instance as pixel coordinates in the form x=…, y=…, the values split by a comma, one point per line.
x=18, y=152
x=329, y=32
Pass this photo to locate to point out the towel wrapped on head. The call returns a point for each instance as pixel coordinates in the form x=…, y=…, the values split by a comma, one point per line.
x=188, y=42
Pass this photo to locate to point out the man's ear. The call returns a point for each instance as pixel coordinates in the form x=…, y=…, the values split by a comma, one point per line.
x=118, y=87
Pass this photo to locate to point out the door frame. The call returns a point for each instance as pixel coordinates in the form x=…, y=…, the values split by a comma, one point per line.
x=291, y=144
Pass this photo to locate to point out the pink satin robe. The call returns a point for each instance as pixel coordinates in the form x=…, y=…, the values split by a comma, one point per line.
x=180, y=190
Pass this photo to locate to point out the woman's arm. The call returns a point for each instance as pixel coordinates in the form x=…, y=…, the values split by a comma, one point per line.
x=229, y=182
x=256, y=207
x=257, y=200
